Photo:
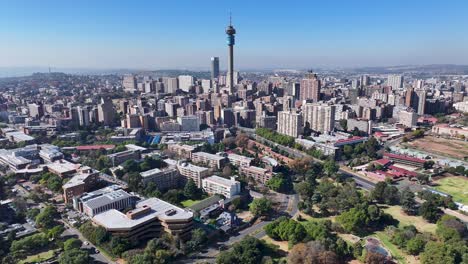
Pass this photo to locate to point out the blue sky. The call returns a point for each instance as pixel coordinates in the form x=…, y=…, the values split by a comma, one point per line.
x=270, y=34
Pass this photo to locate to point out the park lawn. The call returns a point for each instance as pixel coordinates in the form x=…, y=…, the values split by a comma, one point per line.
x=455, y=186
x=283, y=245
x=189, y=202
x=405, y=220
x=43, y=256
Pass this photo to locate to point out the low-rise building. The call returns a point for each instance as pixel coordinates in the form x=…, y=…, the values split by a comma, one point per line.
x=118, y=199
x=211, y=160
x=218, y=185
x=403, y=159
x=62, y=168
x=164, y=179
x=183, y=151
x=239, y=160
x=260, y=175
x=83, y=181
x=148, y=220
x=190, y=171
x=120, y=157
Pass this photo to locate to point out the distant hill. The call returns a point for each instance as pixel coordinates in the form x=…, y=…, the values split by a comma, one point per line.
x=433, y=69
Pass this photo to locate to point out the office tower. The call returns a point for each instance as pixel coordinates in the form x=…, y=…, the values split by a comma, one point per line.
x=419, y=84
x=409, y=97
x=214, y=68
x=206, y=85
x=355, y=84
x=421, y=95
x=83, y=115
x=106, y=112
x=395, y=81
x=310, y=87
x=320, y=117
x=129, y=83
x=293, y=89
x=353, y=94
x=365, y=80
x=230, y=31
x=186, y=82
x=189, y=123
x=290, y=123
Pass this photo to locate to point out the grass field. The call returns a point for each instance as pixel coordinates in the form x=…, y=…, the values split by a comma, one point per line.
x=283, y=245
x=405, y=220
x=188, y=203
x=38, y=257
x=455, y=186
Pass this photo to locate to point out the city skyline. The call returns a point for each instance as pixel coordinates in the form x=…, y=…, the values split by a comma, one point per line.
x=174, y=36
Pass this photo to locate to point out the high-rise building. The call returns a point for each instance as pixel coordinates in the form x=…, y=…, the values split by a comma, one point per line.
x=36, y=110
x=310, y=87
x=130, y=83
x=214, y=68
x=172, y=85
x=409, y=97
x=230, y=31
x=365, y=80
x=421, y=95
x=106, y=112
x=186, y=82
x=83, y=115
x=290, y=123
x=395, y=81
x=320, y=117
x=408, y=118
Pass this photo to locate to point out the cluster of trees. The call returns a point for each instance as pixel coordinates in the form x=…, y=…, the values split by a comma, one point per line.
x=448, y=246
x=72, y=253
x=363, y=219
x=430, y=209
x=312, y=252
x=304, y=237
x=460, y=170
x=131, y=172
x=330, y=198
x=100, y=237
x=261, y=207
x=275, y=137
x=280, y=183
x=369, y=148
x=51, y=181
x=249, y=250
x=166, y=249
x=29, y=244
x=385, y=193
x=176, y=196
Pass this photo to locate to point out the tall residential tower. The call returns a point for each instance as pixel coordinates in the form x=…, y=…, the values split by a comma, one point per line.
x=230, y=31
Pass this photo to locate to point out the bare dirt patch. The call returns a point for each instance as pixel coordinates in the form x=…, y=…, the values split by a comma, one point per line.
x=446, y=147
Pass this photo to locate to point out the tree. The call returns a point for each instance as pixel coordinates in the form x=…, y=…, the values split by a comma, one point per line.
x=198, y=239
x=302, y=165
x=242, y=140
x=344, y=124
x=330, y=167
x=280, y=183
x=450, y=228
x=192, y=191
x=407, y=201
x=428, y=164
x=227, y=171
x=385, y=193
x=46, y=219
x=119, y=245
x=423, y=178
x=249, y=250
x=430, y=211
x=71, y=243
x=375, y=258
x=260, y=207
x=55, y=232
x=416, y=245
x=74, y=256
x=311, y=253
x=439, y=252
x=285, y=229
x=29, y=244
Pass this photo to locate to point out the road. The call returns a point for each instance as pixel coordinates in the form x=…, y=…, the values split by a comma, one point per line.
x=361, y=181
x=98, y=258
x=287, y=204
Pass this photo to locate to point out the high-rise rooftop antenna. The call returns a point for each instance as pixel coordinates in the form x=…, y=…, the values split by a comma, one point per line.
x=230, y=18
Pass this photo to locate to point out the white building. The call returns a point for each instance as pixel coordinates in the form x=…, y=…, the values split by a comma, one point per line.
x=407, y=118
x=186, y=82
x=211, y=160
x=218, y=185
x=321, y=117
x=190, y=171
x=290, y=123
x=395, y=81
x=239, y=160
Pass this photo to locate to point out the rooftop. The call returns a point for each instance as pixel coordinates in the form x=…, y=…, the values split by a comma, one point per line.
x=221, y=181
x=107, y=199
x=159, y=209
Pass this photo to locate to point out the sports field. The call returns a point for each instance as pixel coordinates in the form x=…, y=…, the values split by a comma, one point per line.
x=455, y=186
x=445, y=147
